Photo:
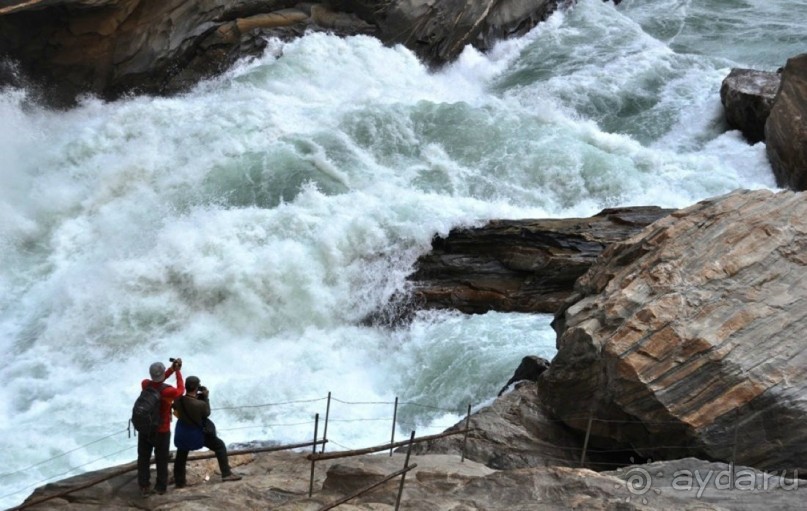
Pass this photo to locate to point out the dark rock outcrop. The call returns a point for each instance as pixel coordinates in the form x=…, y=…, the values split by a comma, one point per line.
x=529, y=369
x=519, y=265
x=438, y=31
x=786, y=129
x=113, y=47
x=687, y=339
x=747, y=96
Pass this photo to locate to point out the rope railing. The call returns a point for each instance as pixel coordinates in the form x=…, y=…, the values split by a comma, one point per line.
x=287, y=425
x=133, y=466
x=374, y=419
x=576, y=451
x=65, y=453
x=223, y=408
x=430, y=407
x=72, y=469
x=264, y=405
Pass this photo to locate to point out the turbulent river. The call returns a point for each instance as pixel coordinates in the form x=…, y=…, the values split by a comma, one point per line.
x=250, y=225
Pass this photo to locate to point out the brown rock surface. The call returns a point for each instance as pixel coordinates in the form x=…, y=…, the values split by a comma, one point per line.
x=112, y=47
x=513, y=432
x=786, y=129
x=519, y=265
x=688, y=339
x=747, y=96
x=438, y=31
x=439, y=482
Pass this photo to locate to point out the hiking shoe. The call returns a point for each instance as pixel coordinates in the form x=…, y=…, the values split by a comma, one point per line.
x=145, y=491
x=179, y=485
x=231, y=477
x=159, y=490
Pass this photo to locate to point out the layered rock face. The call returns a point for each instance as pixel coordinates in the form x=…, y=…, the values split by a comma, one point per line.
x=438, y=31
x=112, y=47
x=519, y=265
x=786, y=129
x=109, y=47
x=688, y=339
x=747, y=96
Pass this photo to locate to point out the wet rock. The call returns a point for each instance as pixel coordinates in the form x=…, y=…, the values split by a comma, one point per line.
x=747, y=96
x=786, y=129
x=529, y=369
x=687, y=340
x=519, y=265
x=438, y=31
x=114, y=47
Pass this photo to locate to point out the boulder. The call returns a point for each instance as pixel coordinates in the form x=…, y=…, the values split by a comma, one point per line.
x=518, y=265
x=747, y=96
x=688, y=338
x=529, y=369
x=786, y=129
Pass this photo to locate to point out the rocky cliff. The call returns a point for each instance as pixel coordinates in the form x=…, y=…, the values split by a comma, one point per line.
x=519, y=265
x=113, y=47
x=786, y=128
x=687, y=339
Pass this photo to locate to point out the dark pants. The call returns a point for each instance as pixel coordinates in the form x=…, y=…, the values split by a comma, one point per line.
x=159, y=443
x=213, y=443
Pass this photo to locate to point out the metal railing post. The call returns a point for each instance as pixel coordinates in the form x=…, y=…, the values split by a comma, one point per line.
x=394, y=418
x=325, y=428
x=313, y=458
x=465, y=437
x=403, y=476
x=588, y=433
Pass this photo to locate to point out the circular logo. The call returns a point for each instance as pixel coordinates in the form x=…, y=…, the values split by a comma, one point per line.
x=638, y=481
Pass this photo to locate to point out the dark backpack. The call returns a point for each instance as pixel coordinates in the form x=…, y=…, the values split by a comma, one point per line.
x=146, y=411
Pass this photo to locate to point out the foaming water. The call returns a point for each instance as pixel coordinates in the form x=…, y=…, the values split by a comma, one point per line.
x=749, y=33
x=250, y=225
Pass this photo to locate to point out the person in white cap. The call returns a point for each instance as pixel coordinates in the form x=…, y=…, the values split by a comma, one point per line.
x=160, y=443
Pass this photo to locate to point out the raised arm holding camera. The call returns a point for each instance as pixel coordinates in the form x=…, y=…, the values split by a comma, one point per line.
x=195, y=430
x=158, y=439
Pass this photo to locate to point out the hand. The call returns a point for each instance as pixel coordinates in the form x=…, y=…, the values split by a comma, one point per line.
x=177, y=365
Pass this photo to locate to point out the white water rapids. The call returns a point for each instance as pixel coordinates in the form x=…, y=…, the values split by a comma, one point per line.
x=249, y=225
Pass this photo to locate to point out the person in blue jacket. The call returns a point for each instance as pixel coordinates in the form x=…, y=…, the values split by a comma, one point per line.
x=194, y=430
